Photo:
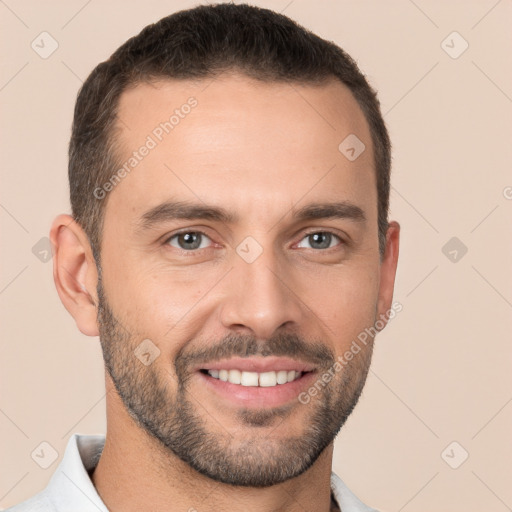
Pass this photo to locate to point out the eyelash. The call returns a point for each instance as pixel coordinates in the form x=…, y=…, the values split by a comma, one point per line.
x=198, y=231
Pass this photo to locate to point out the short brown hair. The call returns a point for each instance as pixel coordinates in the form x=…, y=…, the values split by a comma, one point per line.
x=199, y=43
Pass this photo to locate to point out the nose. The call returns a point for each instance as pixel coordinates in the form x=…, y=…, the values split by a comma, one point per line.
x=260, y=298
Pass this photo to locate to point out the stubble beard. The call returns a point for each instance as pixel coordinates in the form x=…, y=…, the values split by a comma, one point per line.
x=174, y=419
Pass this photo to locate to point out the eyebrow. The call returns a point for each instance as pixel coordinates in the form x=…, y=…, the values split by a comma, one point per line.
x=174, y=210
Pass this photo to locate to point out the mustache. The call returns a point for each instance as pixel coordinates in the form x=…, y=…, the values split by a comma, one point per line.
x=237, y=345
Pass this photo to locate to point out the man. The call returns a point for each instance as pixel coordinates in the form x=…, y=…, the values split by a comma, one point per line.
x=229, y=243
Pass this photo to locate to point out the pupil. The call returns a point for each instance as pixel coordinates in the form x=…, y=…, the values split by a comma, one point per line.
x=318, y=237
x=191, y=240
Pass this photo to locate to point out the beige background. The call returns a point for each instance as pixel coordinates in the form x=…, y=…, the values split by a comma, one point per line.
x=441, y=370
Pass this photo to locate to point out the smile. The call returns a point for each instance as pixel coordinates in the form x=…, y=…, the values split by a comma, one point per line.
x=255, y=379
x=256, y=382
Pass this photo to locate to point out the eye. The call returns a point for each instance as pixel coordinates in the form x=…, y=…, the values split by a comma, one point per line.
x=321, y=240
x=189, y=240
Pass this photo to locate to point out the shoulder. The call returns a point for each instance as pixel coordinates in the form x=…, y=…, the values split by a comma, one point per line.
x=70, y=487
x=37, y=503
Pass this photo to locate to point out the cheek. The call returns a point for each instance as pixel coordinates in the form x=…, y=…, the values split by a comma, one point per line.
x=158, y=303
x=347, y=305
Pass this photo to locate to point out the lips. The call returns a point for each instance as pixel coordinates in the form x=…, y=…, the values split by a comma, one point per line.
x=258, y=364
x=257, y=381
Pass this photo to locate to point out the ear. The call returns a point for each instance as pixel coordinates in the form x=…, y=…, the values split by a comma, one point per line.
x=388, y=271
x=75, y=273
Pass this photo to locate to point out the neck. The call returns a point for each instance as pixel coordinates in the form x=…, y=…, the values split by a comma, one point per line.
x=136, y=473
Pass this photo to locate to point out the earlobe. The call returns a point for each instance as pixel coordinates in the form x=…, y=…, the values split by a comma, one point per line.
x=75, y=273
x=388, y=270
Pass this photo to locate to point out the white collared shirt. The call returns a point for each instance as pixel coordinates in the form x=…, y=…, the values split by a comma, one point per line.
x=71, y=490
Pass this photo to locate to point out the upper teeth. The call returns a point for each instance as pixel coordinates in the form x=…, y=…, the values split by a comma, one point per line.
x=265, y=379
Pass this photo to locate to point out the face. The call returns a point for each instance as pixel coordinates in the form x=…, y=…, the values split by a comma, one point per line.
x=239, y=262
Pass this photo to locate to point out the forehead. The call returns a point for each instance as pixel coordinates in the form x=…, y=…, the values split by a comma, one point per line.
x=207, y=139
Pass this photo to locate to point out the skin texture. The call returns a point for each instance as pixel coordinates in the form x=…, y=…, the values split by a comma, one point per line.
x=261, y=151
